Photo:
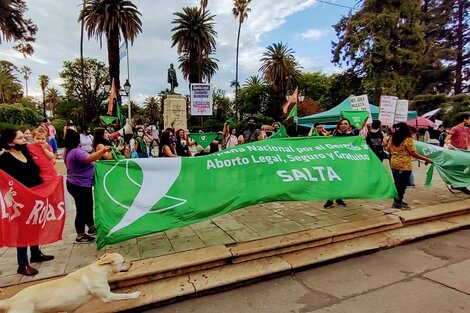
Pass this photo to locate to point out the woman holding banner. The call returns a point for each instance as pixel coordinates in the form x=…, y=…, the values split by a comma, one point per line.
x=343, y=128
x=402, y=151
x=80, y=171
x=18, y=163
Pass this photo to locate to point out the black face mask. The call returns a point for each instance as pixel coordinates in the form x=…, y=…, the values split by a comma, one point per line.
x=269, y=134
x=250, y=126
x=18, y=147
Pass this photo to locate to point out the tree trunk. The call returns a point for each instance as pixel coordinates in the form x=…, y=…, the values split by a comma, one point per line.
x=236, y=71
x=113, y=58
x=85, y=117
x=460, y=28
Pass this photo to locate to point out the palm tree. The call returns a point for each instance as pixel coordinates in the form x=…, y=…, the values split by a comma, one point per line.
x=153, y=111
x=194, y=35
x=26, y=71
x=44, y=82
x=208, y=67
x=253, y=80
x=52, y=99
x=240, y=10
x=279, y=66
x=114, y=19
x=82, y=64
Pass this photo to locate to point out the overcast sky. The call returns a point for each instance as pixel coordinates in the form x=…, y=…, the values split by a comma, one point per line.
x=305, y=25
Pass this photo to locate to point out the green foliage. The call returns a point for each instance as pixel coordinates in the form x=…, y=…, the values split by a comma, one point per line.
x=426, y=103
x=18, y=115
x=454, y=106
x=316, y=86
x=342, y=86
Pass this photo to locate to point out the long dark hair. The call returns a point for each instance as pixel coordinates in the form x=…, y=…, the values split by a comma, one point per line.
x=402, y=131
x=71, y=140
x=7, y=136
x=165, y=138
x=99, y=138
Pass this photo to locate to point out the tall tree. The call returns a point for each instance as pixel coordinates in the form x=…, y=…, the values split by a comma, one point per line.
x=44, y=82
x=91, y=92
x=385, y=41
x=194, y=37
x=207, y=66
x=253, y=80
x=52, y=99
x=279, y=66
x=26, y=71
x=204, y=4
x=240, y=10
x=10, y=87
x=462, y=42
x=152, y=109
x=15, y=27
x=115, y=19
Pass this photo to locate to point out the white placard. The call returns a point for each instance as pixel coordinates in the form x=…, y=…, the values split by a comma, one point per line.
x=361, y=103
x=201, y=99
x=387, y=110
x=401, y=111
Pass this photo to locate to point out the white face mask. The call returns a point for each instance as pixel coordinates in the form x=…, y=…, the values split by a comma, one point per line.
x=140, y=134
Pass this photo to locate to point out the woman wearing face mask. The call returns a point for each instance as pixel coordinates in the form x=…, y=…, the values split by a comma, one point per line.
x=86, y=140
x=140, y=146
x=18, y=163
x=230, y=137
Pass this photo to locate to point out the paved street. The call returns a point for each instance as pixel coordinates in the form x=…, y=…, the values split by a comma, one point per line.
x=250, y=223
x=427, y=276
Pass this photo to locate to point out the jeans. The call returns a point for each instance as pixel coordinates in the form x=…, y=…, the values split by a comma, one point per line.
x=401, y=181
x=22, y=254
x=83, y=197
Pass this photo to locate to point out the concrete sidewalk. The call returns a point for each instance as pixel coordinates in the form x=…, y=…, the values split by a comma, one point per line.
x=250, y=223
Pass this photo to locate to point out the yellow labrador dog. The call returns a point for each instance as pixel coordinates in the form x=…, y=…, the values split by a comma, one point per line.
x=72, y=291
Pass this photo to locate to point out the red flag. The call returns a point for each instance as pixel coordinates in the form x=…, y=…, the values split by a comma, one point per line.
x=31, y=216
x=292, y=99
x=112, y=98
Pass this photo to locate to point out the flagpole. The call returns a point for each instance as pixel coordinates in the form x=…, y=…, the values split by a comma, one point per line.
x=129, y=95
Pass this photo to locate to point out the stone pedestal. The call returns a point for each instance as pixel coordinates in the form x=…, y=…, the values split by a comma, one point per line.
x=174, y=112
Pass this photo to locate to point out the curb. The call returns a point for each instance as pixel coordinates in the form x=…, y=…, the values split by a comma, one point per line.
x=180, y=275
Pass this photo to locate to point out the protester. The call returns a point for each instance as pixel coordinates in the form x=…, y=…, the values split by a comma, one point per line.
x=50, y=139
x=230, y=139
x=317, y=130
x=458, y=137
x=402, y=151
x=27, y=134
x=167, y=145
x=140, y=145
x=267, y=130
x=182, y=144
x=375, y=140
x=42, y=154
x=69, y=125
x=251, y=133
x=343, y=128
x=86, y=140
x=276, y=127
x=102, y=140
x=18, y=163
x=80, y=173
x=50, y=127
x=442, y=135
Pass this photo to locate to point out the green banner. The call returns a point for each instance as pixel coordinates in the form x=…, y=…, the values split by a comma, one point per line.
x=137, y=197
x=281, y=133
x=452, y=165
x=204, y=139
x=356, y=118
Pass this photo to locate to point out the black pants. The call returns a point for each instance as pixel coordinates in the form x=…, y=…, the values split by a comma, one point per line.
x=401, y=181
x=22, y=254
x=83, y=197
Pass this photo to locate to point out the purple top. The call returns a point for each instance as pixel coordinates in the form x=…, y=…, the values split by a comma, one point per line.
x=78, y=172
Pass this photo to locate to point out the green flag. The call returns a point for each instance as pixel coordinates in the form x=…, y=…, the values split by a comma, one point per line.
x=452, y=165
x=281, y=133
x=230, y=121
x=107, y=120
x=356, y=118
x=119, y=111
x=293, y=112
x=204, y=139
x=137, y=197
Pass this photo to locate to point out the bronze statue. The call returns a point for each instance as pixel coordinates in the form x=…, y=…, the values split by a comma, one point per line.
x=172, y=78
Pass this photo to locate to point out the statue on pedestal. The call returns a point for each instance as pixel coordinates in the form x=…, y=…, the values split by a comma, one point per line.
x=172, y=80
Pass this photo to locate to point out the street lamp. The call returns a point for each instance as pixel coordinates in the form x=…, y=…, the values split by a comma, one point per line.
x=123, y=93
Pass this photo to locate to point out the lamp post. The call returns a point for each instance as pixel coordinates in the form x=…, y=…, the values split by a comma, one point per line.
x=122, y=93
